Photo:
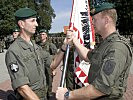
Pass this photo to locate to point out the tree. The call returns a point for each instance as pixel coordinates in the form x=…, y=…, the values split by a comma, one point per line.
x=7, y=19
x=46, y=13
x=125, y=15
x=8, y=7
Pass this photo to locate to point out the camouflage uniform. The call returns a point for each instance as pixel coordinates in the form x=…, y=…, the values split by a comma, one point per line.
x=26, y=65
x=110, y=63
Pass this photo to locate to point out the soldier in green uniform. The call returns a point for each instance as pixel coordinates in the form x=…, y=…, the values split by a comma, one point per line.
x=46, y=44
x=110, y=60
x=49, y=47
x=3, y=44
x=26, y=61
x=16, y=32
x=0, y=46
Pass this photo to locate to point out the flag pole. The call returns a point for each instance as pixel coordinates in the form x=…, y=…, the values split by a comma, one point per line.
x=65, y=66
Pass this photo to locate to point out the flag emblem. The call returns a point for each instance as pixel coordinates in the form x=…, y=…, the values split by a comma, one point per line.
x=81, y=23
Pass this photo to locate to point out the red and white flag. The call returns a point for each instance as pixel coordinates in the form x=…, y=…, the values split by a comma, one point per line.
x=81, y=23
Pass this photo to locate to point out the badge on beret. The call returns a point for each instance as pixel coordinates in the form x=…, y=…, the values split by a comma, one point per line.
x=109, y=67
x=14, y=68
x=93, y=11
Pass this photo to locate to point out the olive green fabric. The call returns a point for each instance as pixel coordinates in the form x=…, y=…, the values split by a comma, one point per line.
x=25, y=13
x=101, y=7
x=1, y=46
x=26, y=65
x=16, y=29
x=70, y=82
x=70, y=75
x=42, y=30
x=110, y=64
x=51, y=49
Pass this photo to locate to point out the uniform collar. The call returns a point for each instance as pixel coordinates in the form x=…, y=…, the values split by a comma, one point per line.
x=26, y=45
x=44, y=43
x=113, y=35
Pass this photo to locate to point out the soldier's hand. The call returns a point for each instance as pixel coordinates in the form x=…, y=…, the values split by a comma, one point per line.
x=54, y=73
x=69, y=37
x=60, y=93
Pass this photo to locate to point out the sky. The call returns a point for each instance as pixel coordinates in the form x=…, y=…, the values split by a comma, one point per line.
x=62, y=10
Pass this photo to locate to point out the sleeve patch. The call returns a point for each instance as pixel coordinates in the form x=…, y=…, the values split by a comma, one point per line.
x=14, y=67
x=109, y=67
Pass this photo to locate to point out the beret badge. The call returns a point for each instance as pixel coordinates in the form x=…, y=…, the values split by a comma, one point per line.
x=93, y=10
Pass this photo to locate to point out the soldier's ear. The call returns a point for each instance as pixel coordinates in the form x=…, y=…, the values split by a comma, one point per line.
x=21, y=23
x=107, y=19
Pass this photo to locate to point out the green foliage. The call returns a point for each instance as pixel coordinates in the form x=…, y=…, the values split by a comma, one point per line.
x=8, y=7
x=125, y=15
x=46, y=14
x=7, y=19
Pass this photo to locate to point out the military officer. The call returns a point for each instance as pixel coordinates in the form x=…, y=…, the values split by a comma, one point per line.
x=110, y=60
x=51, y=49
x=26, y=61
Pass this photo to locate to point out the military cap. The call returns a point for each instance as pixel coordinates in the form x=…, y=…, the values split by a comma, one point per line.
x=25, y=13
x=16, y=29
x=101, y=7
x=43, y=30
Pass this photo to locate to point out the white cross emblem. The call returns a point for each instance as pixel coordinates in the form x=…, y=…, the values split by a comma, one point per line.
x=14, y=67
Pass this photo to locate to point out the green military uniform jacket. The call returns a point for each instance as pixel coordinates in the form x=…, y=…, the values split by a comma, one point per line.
x=110, y=64
x=26, y=65
x=49, y=47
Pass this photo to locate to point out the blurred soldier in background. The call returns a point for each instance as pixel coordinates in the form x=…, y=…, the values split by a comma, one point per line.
x=8, y=41
x=11, y=38
x=16, y=32
x=2, y=45
x=48, y=46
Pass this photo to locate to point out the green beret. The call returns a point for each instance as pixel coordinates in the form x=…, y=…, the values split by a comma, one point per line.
x=25, y=13
x=16, y=29
x=43, y=30
x=101, y=7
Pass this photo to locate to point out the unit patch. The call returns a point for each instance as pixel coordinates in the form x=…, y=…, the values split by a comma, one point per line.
x=14, y=68
x=108, y=67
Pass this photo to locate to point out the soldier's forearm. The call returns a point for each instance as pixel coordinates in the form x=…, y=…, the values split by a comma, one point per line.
x=26, y=92
x=58, y=58
x=86, y=93
x=82, y=51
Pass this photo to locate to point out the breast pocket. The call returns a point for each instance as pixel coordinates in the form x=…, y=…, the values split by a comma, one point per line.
x=32, y=67
x=33, y=75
